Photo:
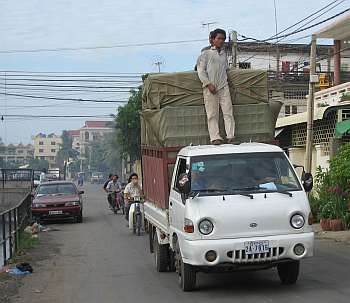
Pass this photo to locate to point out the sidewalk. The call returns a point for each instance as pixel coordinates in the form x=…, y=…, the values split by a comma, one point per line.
x=338, y=236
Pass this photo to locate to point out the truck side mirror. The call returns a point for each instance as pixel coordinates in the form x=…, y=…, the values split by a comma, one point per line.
x=308, y=181
x=184, y=184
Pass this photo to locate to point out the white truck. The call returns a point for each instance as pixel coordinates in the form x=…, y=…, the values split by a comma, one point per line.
x=226, y=208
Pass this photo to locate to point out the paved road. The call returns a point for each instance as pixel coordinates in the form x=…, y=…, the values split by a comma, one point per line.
x=100, y=261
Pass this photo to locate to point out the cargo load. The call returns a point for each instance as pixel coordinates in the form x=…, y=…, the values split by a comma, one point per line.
x=185, y=89
x=180, y=126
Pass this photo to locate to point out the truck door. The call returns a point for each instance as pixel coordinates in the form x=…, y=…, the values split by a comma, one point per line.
x=176, y=205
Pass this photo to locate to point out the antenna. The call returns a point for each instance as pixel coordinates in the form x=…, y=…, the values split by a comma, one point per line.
x=158, y=61
x=207, y=25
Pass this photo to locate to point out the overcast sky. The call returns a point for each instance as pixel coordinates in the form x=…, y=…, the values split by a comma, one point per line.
x=43, y=24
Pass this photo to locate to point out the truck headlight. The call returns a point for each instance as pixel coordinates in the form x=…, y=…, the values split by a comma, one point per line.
x=205, y=227
x=297, y=221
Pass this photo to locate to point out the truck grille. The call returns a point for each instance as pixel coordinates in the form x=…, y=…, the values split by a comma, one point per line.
x=240, y=256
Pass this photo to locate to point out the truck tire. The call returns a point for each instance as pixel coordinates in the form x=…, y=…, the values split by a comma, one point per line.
x=160, y=255
x=186, y=272
x=171, y=256
x=289, y=272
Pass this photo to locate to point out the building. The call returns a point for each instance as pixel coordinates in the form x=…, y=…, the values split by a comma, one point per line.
x=46, y=147
x=331, y=127
x=288, y=69
x=91, y=132
x=16, y=154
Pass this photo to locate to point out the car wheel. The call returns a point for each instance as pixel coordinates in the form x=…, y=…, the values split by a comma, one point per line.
x=289, y=272
x=80, y=218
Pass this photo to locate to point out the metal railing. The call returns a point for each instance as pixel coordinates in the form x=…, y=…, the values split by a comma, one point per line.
x=16, y=178
x=15, y=209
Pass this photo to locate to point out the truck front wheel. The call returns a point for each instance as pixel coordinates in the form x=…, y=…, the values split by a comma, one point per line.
x=187, y=273
x=288, y=272
x=160, y=255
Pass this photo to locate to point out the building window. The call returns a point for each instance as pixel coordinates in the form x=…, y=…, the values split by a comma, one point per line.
x=41, y=143
x=41, y=150
x=295, y=94
x=20, y=151
x=53, y=143
x=87, y=136
x=294, y=109
x=52, y=158
x=53, y=150
x=244, y=65
x=287, y=110
x=42, y=157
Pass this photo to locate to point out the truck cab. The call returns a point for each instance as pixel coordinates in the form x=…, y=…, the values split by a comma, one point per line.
x=232, y=207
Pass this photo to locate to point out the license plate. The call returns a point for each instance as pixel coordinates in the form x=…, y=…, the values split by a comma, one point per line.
x=256, y=247
x=55, y=212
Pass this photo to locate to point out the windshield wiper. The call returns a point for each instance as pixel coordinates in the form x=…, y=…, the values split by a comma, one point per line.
x=284, y=192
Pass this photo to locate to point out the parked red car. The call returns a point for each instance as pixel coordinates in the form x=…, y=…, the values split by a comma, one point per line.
x=57, y=199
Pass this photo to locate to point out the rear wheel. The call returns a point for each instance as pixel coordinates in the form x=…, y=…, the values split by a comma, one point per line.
x=160, y=255
x=186, y=272
x=289, y=272
x=138, y=224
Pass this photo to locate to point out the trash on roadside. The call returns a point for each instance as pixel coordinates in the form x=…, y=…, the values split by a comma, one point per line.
x=21, y=269
x=35, y=228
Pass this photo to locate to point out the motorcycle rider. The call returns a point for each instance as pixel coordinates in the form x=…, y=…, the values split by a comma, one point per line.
x=113, y=187
x=132, y=190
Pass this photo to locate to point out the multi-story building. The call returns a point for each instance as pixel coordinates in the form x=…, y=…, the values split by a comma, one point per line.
x=46, y=147
x=91, y=132
x=288, y=67
x=16, y=154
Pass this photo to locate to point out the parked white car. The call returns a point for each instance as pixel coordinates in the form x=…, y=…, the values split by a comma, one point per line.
x=232, y=208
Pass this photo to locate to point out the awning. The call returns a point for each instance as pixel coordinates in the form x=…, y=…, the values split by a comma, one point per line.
x=341, y=128
x=338, y=30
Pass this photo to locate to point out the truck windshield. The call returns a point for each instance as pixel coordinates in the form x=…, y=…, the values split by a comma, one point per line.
x=242, y=173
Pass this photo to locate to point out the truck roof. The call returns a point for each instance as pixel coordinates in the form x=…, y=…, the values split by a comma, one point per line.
x=203, y=150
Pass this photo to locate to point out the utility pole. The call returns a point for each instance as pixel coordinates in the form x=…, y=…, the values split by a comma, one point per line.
x=234, y=48
x=158, y=64
x=310, y=106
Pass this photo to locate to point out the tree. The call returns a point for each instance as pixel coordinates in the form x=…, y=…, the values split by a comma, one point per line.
x=39, y=164
x=66, y=150
x=128, y=128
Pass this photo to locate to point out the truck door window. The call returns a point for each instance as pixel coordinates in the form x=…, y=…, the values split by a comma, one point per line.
x=181, y=169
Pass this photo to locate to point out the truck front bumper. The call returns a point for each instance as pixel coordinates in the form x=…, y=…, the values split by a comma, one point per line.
x=232, y=251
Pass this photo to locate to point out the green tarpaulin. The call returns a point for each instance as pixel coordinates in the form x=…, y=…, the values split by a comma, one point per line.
x=185, y=88
x=179, y=126
x=342, y=128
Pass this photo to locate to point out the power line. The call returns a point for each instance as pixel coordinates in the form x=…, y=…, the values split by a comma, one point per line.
x=71, y=80
x=67, y=90
x=62, y=49
x=71, y=86
x=300, y=30
x=306, y=18
x=56, y=116
x=64, y=99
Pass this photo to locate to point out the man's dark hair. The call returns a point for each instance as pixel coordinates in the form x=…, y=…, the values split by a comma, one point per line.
x=211, y=35
x=218, y=31
x=131, y=176
x=116, y=176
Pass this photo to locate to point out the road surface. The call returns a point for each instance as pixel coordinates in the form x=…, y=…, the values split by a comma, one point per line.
x=101, y=261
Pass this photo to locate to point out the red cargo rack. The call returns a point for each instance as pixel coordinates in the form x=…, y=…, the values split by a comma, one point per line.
x=157, y=168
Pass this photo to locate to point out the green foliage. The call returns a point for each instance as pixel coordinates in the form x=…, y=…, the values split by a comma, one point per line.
x=38, y=164
x=128, y=126
x=345, y=97
x=27, y=241
x=332, y=187
x=66, y=151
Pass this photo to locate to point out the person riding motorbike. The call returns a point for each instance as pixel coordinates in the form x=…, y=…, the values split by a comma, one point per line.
x=114, y=188
x=132, y=190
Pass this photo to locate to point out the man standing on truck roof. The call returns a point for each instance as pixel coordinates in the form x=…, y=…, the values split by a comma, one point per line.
x=212, y=71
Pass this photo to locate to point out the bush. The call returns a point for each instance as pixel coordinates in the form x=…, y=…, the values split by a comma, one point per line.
x=332, y=190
